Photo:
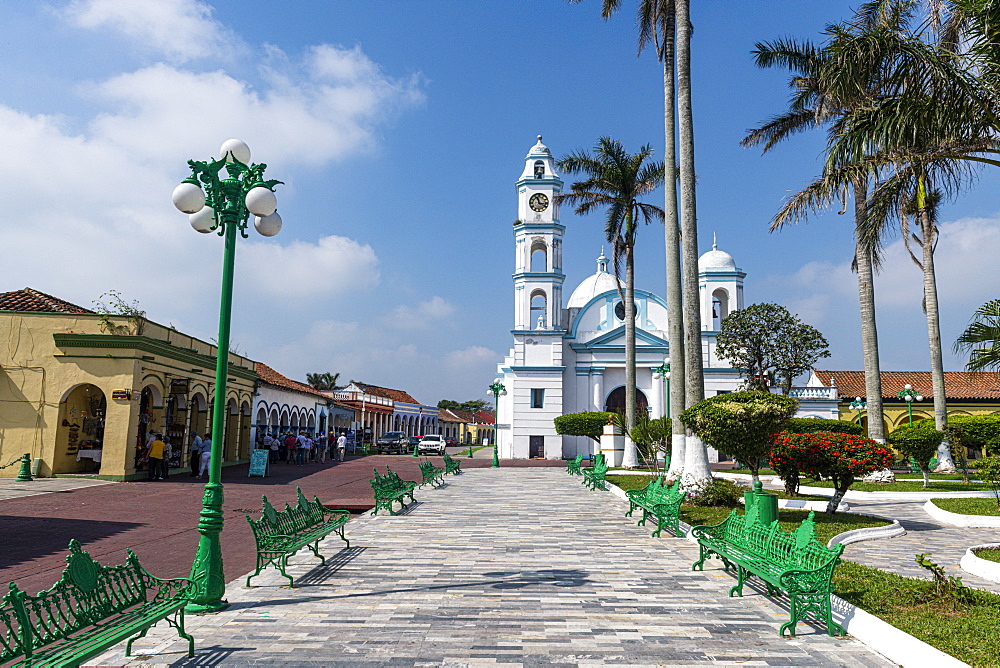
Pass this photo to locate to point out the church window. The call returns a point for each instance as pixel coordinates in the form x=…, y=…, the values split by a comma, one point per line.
x=539, y=312
x=720, y=308
x=620, y=310
x=539, y=257
x=537, y=397
x=539, y=169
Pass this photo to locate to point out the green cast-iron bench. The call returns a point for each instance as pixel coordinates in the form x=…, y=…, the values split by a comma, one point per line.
x=594, y=476
x=452, y=466
x=88, y=611
x=389, y=488
x=791, y=562
x=430, y=474
x=573, y=465
x=281, y=533
x=658, y=500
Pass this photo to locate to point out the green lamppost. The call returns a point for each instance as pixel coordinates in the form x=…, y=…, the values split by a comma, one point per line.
x=497, y=389
x=859, y=405
x=908, y=394
x=663, y=371
x=222, y=203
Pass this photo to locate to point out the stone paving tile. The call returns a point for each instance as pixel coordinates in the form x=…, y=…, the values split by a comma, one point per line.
x=499, y=567
x=13, y=489
x=947, y=544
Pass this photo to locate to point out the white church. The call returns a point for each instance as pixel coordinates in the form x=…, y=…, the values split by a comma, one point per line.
x=567, y=359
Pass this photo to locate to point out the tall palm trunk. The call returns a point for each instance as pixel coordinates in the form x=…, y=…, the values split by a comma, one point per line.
x=869, y=331
x=928, y=237
x=630, y=459
x=672, y=246
x=695, y=455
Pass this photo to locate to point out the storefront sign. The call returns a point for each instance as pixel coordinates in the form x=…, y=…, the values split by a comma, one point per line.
x=179, y=385
x=122, y=395
x=258, y=463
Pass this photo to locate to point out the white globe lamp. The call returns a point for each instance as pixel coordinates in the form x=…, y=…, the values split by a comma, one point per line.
x=188, y=197
x=261, y=201
x=204, y=220
x=235, y=149
x=268, y=226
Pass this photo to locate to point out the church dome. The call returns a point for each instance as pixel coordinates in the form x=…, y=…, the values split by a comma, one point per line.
x=539, y=150
x=716, y=260
x=593, y=285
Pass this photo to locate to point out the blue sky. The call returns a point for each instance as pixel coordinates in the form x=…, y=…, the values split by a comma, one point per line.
x=399, y=128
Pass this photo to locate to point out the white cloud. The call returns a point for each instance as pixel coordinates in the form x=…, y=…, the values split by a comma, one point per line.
x=300, y=271
x=435, y=312
x=476, y=360
x=179, y=30
x=825, y=295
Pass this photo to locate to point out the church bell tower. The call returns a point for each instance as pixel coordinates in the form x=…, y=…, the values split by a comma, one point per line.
x=538, y=276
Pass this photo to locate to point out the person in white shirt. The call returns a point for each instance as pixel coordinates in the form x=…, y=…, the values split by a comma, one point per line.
x=195, y=454
x=341, y=446
x=206, y=455
x=301, y=447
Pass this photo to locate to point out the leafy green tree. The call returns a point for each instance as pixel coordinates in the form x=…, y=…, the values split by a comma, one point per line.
x=741, y=425
x=587, y=423
x=919, y=442
x=323, y=381
x=616, y=180
x=475, y=405
x=651, y=436
x=762, y=339
x=981, y=339
x=449, y=404
x=981, y=432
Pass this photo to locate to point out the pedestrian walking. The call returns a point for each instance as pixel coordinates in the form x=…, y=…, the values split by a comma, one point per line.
x=195, y=454
x=321, y=449
x=155, y=454
x=289, y=444
x=341, y=446
x=301, y=446
x=271, y=444
x=206, y=455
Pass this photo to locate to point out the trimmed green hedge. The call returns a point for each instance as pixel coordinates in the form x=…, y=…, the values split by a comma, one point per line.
x=812, y=425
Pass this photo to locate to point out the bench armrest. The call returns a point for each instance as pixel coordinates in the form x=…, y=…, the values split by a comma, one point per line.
x=166, y=587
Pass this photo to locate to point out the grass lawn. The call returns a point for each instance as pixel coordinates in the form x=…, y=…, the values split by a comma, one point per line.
x=827, y=526
x=899, y=476
x=968, y=631
x=630, y=482
x=969, y=506
x=991, y=555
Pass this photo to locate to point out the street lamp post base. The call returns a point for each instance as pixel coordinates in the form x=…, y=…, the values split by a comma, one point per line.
x=204, y=608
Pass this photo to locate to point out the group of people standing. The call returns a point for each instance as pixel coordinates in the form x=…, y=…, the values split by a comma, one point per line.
x=201, y=454
x=301, y=448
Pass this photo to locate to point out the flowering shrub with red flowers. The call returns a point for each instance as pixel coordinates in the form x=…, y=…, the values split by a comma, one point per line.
x=837, y=457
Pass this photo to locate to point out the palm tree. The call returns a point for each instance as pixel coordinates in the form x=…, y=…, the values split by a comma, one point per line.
x=820, y=98
x=696, y=468
x=981, y=339
x=616, y=180
x=657, y=27
x=323, y=381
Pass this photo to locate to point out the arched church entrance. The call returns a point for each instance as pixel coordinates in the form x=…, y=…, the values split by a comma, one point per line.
x=615, y=403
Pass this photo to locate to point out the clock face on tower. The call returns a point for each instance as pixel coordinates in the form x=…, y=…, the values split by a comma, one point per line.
x=538, y=202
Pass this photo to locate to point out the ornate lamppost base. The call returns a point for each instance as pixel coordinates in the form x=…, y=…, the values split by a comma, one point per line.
x=209, y=582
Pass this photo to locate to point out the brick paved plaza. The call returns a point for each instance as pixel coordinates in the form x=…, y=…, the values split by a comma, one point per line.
x=498, y=567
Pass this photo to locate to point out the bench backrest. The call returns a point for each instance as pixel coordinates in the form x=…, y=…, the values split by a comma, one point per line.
x=86, y=593
x=799, y=549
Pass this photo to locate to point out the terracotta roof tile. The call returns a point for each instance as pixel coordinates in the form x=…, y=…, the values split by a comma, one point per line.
x=958, y=384
x=396, y=395
x=272, y=377
x=33, y=300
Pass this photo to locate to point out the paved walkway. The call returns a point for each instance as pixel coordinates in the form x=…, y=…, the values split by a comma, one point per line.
x=499, y=567
x=947, y=544
x=12, y=489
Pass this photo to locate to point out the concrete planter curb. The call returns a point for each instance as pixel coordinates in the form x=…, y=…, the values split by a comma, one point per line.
x=868, y=533
x=856, y=495
x=984, y=568
x=897, y=646
x=961, y=519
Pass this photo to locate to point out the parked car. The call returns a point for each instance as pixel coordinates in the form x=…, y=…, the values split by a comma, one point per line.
x=431, y=444
x=392, y=442
x=450, y=441
x=414, y=440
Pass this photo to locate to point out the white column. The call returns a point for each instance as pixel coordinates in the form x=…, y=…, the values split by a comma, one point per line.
x=657, y=396
x=598, y=385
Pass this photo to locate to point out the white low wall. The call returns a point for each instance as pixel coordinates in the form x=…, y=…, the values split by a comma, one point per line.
x=984, y=568
x=856, y=495
x=961, y=519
